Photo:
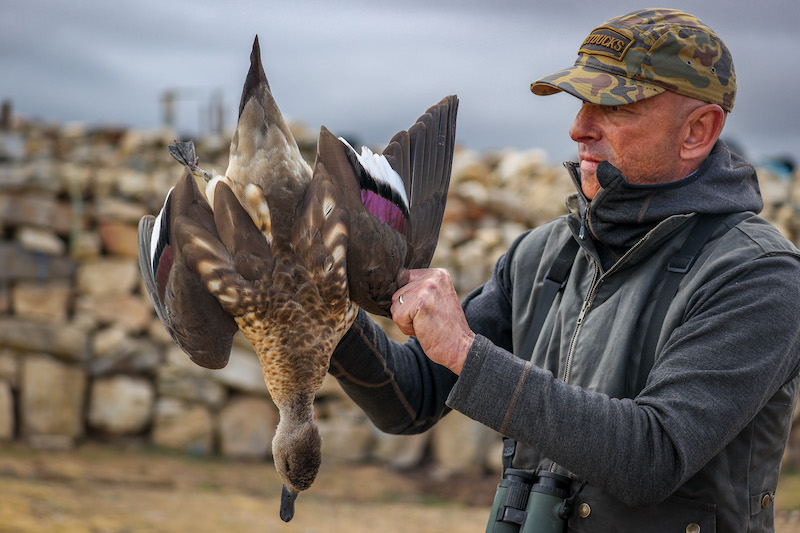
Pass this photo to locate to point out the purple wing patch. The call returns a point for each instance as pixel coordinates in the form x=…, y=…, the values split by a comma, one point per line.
x=164, y=265
x=386, y=211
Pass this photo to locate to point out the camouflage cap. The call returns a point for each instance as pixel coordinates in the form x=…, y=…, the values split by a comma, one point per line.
x=645, y=53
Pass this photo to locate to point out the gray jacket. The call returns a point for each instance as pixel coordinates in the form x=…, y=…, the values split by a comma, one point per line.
x=702, y=441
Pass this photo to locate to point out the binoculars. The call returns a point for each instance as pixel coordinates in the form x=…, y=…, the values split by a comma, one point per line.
x=530, y=503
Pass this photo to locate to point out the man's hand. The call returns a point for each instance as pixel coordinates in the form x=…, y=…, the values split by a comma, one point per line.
x=429, y=309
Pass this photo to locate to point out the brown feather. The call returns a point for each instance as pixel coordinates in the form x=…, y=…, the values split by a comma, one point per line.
x=192, y=316
x=264, y=153
x=378, y=255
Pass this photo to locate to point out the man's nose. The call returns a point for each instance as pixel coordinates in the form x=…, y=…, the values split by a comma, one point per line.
x=585, y=127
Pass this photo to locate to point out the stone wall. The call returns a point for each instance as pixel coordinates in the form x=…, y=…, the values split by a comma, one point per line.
x=83, y=356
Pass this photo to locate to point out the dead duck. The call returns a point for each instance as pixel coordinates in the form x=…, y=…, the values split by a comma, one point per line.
x=267, y=253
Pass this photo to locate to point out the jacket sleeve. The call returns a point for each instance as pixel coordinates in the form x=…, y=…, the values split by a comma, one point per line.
x=395, y=384
x=738, y=344
x=398, y=388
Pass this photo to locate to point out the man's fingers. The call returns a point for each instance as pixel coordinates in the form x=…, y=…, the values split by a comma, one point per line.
x=428, y=308
x=401, y=316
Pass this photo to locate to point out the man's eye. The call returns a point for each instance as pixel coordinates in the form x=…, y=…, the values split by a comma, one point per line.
x=614, y=108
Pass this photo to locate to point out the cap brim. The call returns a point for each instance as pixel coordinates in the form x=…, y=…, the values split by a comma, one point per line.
x=595, y=86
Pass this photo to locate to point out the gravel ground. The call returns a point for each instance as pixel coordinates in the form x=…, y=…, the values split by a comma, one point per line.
x=103, y=489
x=98, y=489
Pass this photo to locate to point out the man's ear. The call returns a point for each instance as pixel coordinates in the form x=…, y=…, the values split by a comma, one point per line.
x=702, y=129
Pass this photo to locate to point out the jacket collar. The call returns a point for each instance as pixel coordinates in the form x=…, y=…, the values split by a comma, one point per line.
x=623, y=214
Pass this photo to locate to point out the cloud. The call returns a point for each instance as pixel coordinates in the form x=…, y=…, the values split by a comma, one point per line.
x=361, y=68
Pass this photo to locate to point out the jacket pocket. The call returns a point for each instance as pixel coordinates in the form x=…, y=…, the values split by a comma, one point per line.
x=596, y=511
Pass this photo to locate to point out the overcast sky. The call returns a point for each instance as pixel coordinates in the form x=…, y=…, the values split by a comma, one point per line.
x=367, y=69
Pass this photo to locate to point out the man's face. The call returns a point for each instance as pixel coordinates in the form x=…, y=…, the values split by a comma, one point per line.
x=642, y=139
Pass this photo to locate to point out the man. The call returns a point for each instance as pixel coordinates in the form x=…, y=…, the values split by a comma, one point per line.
x=690, y=440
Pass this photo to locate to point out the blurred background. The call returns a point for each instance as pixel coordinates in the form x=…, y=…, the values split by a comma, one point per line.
x=105, y=425
x=361, y=67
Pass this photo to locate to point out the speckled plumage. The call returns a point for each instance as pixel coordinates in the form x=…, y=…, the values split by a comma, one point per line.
x=269, y=251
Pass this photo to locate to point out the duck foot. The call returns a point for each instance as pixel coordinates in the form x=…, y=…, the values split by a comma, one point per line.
x=184, y=152
x=287, y=504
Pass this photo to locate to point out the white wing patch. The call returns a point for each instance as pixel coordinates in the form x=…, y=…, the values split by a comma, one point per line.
x=379, y=168
x=157, y=227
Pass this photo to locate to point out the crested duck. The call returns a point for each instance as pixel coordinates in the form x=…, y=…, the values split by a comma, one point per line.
x=276, y=251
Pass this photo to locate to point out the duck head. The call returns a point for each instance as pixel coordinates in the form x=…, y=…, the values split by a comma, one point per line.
x=296, y=450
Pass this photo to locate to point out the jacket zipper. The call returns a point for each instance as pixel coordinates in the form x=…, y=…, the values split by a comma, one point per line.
x=574, y=173
x=586, y=304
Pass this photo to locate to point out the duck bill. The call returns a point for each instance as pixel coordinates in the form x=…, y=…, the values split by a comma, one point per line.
x=287, y=504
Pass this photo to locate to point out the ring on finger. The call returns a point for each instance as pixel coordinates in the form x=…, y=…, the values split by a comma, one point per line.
x=400, y=299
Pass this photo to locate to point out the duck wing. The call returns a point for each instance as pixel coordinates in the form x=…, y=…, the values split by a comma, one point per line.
x=232, y=260
x=320, y=238
x=396, y=201
x=193, y=317
x=427, y=148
